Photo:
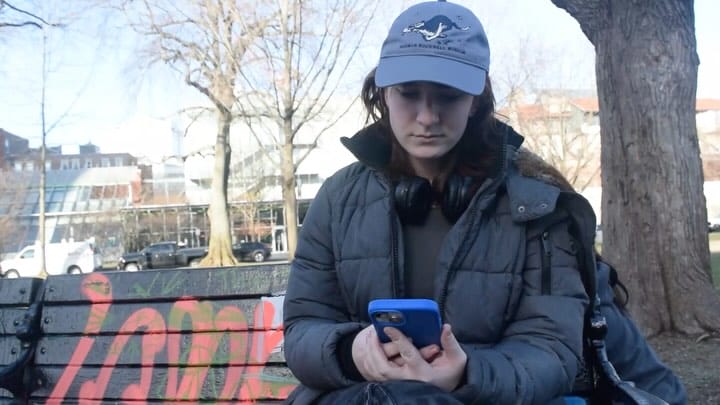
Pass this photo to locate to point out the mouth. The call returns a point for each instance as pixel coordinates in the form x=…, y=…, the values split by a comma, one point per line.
x=428, y=136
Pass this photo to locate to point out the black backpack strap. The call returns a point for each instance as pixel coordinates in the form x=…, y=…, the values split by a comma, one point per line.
x=582, y=228
x=621, y=296
x=608, y=387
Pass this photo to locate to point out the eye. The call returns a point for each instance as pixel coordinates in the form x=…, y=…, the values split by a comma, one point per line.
x=408, y=93
x=449, y=97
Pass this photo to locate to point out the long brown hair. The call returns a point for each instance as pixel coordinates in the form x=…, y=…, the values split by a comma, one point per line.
x=477, y=150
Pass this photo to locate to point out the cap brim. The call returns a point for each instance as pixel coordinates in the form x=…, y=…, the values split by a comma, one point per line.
x=413, y=68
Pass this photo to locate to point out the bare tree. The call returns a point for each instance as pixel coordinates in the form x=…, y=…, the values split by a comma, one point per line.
x=516, y=71
x=555, y=124
x=12, y=16
x=205, y=41
x=653, y=207
x=298, y=72
x=48, y=122
x=558, y=129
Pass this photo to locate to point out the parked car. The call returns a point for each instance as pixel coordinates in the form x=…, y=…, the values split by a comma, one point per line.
x=161, y=255
x=168, y=254
x=714, y=225
x=68, y=257
x=255, y=251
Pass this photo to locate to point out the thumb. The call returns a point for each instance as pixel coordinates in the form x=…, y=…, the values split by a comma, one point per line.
x=451, y=347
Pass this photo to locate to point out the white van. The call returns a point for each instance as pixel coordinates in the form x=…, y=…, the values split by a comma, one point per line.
x=60, y=258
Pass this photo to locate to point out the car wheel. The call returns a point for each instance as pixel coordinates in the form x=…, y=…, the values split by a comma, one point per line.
x=259, y=256
x=132, y=267
x=195, y=262
x=74, y=270
x=12, y=273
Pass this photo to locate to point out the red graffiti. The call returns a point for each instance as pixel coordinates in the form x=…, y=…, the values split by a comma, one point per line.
x=153, y=342
x=263, y=345
x=187, y=366
x=97, y=289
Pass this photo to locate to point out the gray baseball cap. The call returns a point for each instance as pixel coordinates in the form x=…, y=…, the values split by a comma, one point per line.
x=438, y=42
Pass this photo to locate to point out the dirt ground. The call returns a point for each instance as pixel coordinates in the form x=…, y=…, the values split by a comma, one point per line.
x=696, y=363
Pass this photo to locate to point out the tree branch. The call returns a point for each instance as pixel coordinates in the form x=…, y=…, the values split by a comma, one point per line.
x=587, y=13
x=4, y=3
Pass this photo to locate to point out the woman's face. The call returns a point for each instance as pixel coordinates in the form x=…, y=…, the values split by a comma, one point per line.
x=427, y=119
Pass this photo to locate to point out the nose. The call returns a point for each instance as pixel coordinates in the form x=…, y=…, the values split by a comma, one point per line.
x=428, y=112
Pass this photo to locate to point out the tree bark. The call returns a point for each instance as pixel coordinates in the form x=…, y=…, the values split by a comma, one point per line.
x=289, y=185
x=220, y=246
x=653, y=207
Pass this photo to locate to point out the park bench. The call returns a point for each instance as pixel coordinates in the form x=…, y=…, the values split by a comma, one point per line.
x=172, y=336
x=181, y=335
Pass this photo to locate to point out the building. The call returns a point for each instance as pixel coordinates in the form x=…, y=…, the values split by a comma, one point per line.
x=125, y=203
x=564, y=128
x=84, y=193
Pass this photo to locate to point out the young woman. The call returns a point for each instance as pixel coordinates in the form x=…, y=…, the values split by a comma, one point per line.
x=435, y=208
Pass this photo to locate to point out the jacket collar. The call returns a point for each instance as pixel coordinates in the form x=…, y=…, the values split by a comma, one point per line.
x=531, y=190
x=370, y=146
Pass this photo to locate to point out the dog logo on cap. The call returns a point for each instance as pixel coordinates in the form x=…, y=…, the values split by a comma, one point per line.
x=434, y=28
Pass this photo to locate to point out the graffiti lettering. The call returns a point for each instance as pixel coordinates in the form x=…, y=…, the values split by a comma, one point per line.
x=186, y=366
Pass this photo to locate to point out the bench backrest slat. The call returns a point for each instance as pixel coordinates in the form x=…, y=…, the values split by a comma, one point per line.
x=120, y=383
x=158, y=336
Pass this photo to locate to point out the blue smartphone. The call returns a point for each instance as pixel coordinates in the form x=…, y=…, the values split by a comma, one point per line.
x=417, y=318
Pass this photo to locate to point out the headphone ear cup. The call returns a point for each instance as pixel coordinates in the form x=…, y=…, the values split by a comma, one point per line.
x=413, y=199
x=456, y=197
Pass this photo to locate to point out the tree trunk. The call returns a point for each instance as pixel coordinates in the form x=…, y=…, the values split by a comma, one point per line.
x=289, y=198
x=653, y=206
x=220, y=246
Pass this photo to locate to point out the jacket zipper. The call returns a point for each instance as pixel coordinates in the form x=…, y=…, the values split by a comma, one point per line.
x=394, y=235
x=395, y=254
x=451, y=269
x=545, y=274
x=501, y=171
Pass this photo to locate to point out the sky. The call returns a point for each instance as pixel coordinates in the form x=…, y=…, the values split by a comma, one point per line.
x=98, y=91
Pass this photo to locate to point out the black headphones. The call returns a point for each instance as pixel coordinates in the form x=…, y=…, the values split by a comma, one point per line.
x=414, y=196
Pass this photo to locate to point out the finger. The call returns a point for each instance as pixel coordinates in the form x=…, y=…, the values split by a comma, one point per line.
x=429, y=352
x=377, y=362
x=398, y=361
x=451, y=347
x=391, y=350
x=408, y=352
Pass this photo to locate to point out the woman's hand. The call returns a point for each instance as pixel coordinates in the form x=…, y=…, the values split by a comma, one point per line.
x=400, y=360
x=372, y=357
x=444, y=371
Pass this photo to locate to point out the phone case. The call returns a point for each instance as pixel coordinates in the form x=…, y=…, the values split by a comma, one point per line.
x=417, y=318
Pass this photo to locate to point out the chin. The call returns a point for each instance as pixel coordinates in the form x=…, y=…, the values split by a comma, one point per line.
x=428, y=155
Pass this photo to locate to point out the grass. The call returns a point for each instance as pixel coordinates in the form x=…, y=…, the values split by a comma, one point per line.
x=714, y=257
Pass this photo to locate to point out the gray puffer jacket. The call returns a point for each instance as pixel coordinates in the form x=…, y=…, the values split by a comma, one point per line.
x=523, y=344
